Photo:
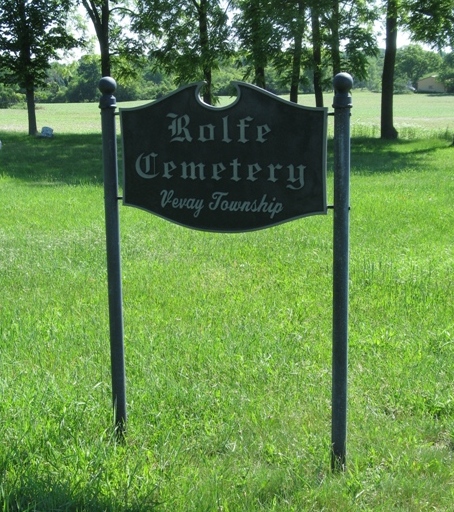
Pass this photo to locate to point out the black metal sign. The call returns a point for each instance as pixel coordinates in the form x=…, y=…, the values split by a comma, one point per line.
x=256, y=163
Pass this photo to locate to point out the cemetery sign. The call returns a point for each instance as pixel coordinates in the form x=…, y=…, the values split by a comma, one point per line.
x=256, y=163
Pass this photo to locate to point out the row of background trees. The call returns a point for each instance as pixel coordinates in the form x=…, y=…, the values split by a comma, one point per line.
x=77, y=81
x=151, y=46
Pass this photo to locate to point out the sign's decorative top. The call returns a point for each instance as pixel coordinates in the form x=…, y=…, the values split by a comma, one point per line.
x=256, y=163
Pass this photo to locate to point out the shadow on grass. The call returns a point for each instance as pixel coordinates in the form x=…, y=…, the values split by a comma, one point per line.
x=377, y=156
x=76, y=159
x=47, y=494
x=50, y=496
x=60, y=499
x=66, y=159
x=434, y=94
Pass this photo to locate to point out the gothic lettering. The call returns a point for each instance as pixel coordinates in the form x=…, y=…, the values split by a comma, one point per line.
x=149, y=166
x=179, y=128
x=183, y=130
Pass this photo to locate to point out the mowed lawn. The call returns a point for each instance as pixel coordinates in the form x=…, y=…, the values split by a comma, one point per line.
x=227, y=337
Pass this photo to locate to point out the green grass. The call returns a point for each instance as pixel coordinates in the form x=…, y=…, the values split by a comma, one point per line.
x=415, y=115
x=228, y=342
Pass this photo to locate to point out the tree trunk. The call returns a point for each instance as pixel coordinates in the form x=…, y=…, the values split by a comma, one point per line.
x=387, y=94
x=335, y=43
x=317, y=57
x=25, y=56
x=103, y=37
x=100, y=20
x=207, y=90
x=297, y=53
x=259, y=56
x=31, y=111
x=296, y=67
x=205, y=51
x=259, y=76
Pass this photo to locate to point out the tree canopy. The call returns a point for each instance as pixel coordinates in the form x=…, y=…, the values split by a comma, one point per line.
x=191, y=38
x=431, y=22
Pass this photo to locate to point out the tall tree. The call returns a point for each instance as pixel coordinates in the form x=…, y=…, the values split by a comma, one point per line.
x=351, y=38
x=260, y=42
x=342, y=39
x=358, y=32
x=387, y=130
x=335, y=23
x=99, y=13
x=291, y=22
x=31, y=34
x=428, y=21
x=118, y=46
x=317, y=54
x=298, y=28
x=193, y=38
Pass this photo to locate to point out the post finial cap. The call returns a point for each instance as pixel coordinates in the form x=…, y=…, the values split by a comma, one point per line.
x=107, y=85
x=342, y=82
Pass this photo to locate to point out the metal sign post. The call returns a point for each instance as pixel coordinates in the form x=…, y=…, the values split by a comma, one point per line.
x=342, y=105
x=108, y=105
x=254, y=164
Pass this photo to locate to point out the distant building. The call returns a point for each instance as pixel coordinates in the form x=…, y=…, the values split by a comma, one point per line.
x=430, y=84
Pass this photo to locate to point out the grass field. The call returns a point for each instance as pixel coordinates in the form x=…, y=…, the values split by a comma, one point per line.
x=415, y=115
x=227, y=337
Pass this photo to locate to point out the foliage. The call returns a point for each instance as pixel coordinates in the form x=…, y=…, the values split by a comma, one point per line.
x=431, y=21
x=119, y=48
x=357, y=29
x=259, y=42
x=84, y=87
x=193, y=38
x=447, y=72
x=413, y=62
x=9, y=96
x=78, y=81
